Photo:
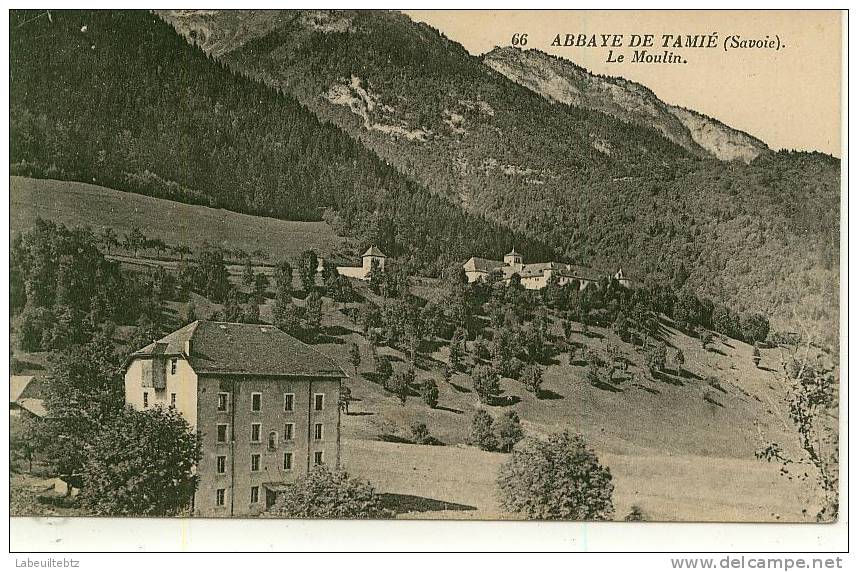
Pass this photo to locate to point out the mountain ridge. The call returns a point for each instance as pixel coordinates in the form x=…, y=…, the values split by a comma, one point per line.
x=564, y=81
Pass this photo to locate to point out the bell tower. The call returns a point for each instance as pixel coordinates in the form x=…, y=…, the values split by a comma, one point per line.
x=514, y=260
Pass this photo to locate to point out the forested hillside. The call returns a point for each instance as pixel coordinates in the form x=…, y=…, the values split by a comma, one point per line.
x=119, y=99
x=762, y=237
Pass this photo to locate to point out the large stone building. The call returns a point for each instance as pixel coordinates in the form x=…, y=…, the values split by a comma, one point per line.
x=370, y=257
x=534, y=276
x=265, y=406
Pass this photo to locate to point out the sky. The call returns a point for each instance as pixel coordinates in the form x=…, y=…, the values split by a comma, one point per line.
x=789, y=98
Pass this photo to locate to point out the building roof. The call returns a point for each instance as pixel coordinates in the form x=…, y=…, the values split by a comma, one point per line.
x=513, y=253
x=20, y=386
x=373, y=251
x=33, y=405
x=475, y=264
x=228, y=348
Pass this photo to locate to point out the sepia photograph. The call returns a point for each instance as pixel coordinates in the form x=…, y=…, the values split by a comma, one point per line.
x=453, y=265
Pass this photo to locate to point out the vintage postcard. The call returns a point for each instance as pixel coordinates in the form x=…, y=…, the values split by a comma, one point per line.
x=458, y=265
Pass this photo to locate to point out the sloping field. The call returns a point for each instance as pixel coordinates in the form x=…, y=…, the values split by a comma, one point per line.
x=78, y=204
x=459, y=483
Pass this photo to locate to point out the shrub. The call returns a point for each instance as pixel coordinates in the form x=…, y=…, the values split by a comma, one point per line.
x=486, y=383
x=326, y=493
x=532, y=379
x=508, y=431
x=635, y=515
x=482, y=433
x=429, y=393
x=400, y=384
x=560, y=478
x=420, y=434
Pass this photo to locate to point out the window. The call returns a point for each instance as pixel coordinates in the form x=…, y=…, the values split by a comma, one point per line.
x=318, y=458
x=288, y=402
x=222, y=401
x=254, y=495
x=221, y=432
x=289, y=432
x=287, y=461
x=254, y=462
x=256, y=432
x=256, y=402
x=145, y=399
x=318, y=401
x=220, y=497
x=172, y=400
x=272, y=440
x=221, y=464
x=173, y=363
x=317, y=431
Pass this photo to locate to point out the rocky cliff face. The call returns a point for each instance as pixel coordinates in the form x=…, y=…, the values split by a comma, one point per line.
x=561, y=80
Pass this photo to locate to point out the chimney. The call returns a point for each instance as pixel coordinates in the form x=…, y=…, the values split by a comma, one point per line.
x=188, y=347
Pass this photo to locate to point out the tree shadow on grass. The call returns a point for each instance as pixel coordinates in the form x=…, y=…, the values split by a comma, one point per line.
x=450, y=409
x=505, y=401
x=400, y=504
x=607, y=387
x=647, y=389
x=359, y=413
x=323, y=338
x=548, y=394
x=667, y=378
x=460, y=388
x=338, y=331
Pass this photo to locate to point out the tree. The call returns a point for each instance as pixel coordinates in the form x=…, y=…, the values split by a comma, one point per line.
x=141, y=463
x=307, y=264
x=400, y=384
x=456, y=349
x=384, y=369
x=755, y=328
x=287, y=316
x=283, y=277
x=420, y=433
x=532, y=379
x=486, y=383
x=621, y=326
x=656, y=356
x=482, y=431
x=756, y=356
x=594, y=374
x=83, y=392
x=812, y=404
x=345, y=397
x=260, y=286
x=557, y=479
x=107, y=238
x=211, y=276
x=429, y=393
x=508, y=430
x=190, y=312
x=134, y=240
x=354, y=357
x=327, y=493
x=679, y=360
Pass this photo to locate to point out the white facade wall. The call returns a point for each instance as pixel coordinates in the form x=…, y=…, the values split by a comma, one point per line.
x=183, y=384
x=358, y=272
